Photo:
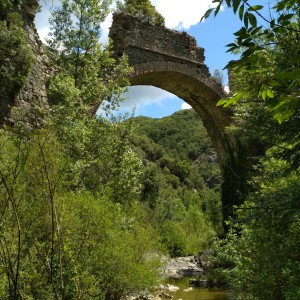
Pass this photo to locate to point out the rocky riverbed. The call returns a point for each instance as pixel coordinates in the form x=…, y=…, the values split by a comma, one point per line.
x=179, y=267
x=184, y=267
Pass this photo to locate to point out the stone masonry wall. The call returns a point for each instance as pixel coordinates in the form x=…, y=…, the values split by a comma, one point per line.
x=35, y=89
x=144, y=42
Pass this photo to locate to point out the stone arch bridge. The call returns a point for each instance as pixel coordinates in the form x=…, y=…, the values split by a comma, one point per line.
x=172, y=61
x=162, y=58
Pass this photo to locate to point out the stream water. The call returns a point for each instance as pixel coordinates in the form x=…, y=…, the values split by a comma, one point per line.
x=196, y=293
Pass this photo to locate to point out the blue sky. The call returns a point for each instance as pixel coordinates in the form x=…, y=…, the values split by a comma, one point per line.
x=212, y=34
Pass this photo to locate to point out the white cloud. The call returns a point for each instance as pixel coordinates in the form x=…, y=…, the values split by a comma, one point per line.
x=178, y=14
x=105, y=29
x=182, y=14
x=226, y=89
x=138, y=96
x=185, y=106
x=42, y=23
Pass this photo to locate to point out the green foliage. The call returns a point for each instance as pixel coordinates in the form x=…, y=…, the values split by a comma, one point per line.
x=61, y=90
x=219, y=77
x=70, y=225
x=116, y=247
x=75, y=34
x=264, y=233
x=269, y=55
x=180, y=146
x=183, y=230
x=174, y=133
x=16, y=59
x=180, y=183
x=265, y=236
x=90, y=141
x=76, y=26
x=7, y=7
x=143, y=9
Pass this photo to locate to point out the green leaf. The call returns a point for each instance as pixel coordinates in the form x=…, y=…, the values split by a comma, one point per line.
x=279, y=6
x=232, y=48
x=248, y=52
x=217, y=9
x=246, y=19
x=255, y=30
x=265, y=92
x=207, y=14
x=247, y=41
x=272, y=23
x=252, y=20
x=289, y=75
x=283, y=108
x=270, y=93
x=231, y=45
x=236, y=5
x=228, y=2
x=241, y=33
x=256, y=8
x=221, y=102
x=241, y=12
x=285, y=19
x=232, y=100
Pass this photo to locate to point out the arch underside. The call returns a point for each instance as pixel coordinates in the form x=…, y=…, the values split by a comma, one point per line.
x=202, y=93
x=197, y=91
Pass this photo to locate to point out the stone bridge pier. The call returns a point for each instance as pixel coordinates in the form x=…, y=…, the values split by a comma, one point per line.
x=172, y=61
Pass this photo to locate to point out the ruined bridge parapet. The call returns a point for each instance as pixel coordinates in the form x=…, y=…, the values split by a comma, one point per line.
x=144, y=42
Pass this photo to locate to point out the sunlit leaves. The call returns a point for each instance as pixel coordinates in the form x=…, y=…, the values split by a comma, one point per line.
x=142, y=9
x=279, y=37
x=75, y=36
x=75, y=231
x=232, y=100
x=265, y=92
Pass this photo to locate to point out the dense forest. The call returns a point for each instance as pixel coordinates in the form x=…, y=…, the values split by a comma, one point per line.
x=88, y=205
x=260, y=257
x=180, y=182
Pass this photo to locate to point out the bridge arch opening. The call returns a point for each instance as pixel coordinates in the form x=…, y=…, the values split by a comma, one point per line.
x=150, y=101
x=169, y=86
x=178, y=148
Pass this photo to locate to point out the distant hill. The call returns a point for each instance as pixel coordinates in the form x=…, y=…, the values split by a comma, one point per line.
x=177, y=139
x=181, y=180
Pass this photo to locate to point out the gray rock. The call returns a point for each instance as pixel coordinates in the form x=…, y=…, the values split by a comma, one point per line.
x=183, y=266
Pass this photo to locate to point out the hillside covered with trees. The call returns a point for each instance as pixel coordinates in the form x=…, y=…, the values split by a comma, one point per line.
x=181, y=180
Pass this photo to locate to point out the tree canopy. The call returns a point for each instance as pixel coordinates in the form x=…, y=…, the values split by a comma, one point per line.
x=269, y=48
x=143, y=9
x=264, y=232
